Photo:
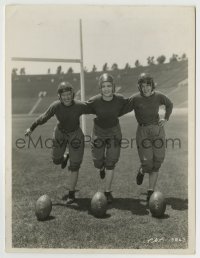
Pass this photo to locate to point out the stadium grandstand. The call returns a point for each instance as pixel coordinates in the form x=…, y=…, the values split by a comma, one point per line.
x=171, y=79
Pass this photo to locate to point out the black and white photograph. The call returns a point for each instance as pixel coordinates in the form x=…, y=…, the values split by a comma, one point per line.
x=100, y=128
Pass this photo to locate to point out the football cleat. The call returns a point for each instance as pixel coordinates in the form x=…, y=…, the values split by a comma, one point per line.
x=140, y=176
x=71, y=198
x=109, y=197
x=65, y=160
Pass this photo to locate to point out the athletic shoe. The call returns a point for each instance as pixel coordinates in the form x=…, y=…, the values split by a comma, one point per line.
x=71, y=197
x=140, y=176
x=109, y=197
x=149, y=193
x=65, y=160
x=102, y=173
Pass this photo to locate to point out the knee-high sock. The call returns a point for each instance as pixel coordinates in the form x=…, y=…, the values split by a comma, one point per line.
x=73, y=180
x=153, y=176
x=109, y=179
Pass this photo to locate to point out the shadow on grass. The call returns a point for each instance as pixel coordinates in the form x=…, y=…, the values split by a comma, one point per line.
x=82, y=204
x=177, y=203
x=106, y=216
x=47, y=219
x=164, y=216
x=64, y=198
x=133, y=205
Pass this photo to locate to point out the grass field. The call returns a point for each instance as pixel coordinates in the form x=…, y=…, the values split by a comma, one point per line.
x=128, y=223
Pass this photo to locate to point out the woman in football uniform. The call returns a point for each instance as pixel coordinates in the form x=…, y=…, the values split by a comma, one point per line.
x=67, y=132
x=106, y=135
x=150, y=135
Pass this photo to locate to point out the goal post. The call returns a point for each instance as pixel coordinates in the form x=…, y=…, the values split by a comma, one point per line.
x=64, y=60
x=82, y=79
x=57, y=60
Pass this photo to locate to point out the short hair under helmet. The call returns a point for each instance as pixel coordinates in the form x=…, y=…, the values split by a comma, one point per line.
x=145, y=78
x=64, y=87
x=105, y=77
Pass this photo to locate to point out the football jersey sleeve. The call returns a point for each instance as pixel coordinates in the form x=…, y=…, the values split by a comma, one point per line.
x=87, y=108
x=128, y=106
x=42, y=119
x=164, y=100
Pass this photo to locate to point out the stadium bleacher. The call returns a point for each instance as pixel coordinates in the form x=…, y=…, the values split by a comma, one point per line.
x=168, y=78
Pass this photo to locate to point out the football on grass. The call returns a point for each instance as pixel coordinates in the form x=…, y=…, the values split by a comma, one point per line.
x=157, y=204
x=99, y=205
x=43, y=207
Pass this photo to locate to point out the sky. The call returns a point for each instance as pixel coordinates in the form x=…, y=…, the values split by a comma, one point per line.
x=110, y=34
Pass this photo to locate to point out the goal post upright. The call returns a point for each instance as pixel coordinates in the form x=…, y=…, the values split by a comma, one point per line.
x=64, y=60
x=82, y=79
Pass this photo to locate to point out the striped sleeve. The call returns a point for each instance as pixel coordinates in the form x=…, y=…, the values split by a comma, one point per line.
x=42, y=119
